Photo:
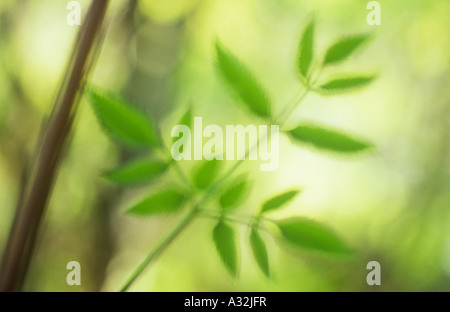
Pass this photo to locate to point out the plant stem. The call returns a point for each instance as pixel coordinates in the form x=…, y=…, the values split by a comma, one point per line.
x=316, y=71
x=289, y=109
x=31, y=207
x=157, y=251
x=198, y=207
x=249, y=223
x=177, y=168
x=219, y=216
x=290, y=102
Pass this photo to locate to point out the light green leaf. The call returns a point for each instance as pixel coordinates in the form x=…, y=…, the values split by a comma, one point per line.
x=259, y=251
x=242, y=82
x=345, y=84
x=186, y=120
x=206, y=173
x=309, y=234
x=161, y=203
x=123, y=122
x=234, y=195
x=342, y=49
x=223, y=236
x=279, y=200
x=306, y=50
x=327, y=139
x=137, y=172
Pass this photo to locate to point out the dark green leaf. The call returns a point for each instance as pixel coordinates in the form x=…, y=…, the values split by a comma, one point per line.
x=242, y=82
x=123, y=122
x=259, y=251
x=343, y=49
x=223, y=236
x=309, y=234
x=306, y=50
x=163, y=202
x=206, y=174
x=279, y=200
x=186, y=120
x=234, y=195
x=345, y=84
x=327, y=139
x=137, y=172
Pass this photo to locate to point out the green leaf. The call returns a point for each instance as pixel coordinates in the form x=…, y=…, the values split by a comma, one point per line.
x=306, y=50
x=223, y=236
x=242, y=82
x=206, y=174
x=186, y=120
x=342, y=49
x=123, y=122
x=279, y=200
x=309, y=234
x=345, y=84
x=137, y=172
x=161, y=203
x=234, y=195
x=328, y=139
x=259, y=251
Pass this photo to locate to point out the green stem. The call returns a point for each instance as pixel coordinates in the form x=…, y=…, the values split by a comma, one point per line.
x=317, y=70
x=202, y=202
x=294, y=105
x=159, y=249
x=294, y=100
x=181, y=174
x=183, y=224
x=210, y=191
x=222, y=217
x=250, y=222
x=177, y=168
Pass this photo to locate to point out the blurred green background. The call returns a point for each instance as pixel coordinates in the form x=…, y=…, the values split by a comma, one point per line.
x=392, y=205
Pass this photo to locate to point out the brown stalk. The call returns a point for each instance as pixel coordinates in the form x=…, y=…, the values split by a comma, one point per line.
x=31, y=207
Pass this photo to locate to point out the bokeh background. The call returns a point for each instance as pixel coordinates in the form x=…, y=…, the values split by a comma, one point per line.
x=392, y=205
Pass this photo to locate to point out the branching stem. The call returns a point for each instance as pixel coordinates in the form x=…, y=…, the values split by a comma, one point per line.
x=197, y=209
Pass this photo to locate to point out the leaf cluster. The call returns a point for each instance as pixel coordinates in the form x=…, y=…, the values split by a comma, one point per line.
x=134, y=129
